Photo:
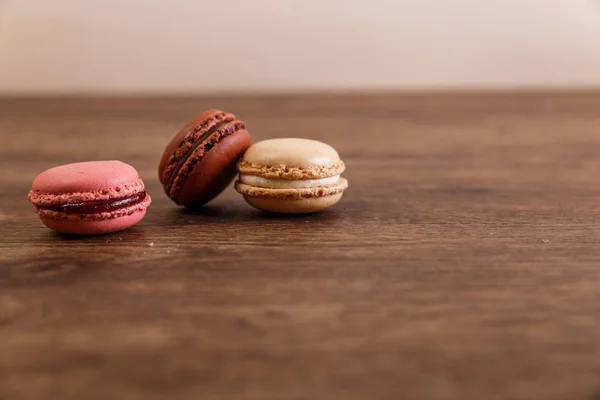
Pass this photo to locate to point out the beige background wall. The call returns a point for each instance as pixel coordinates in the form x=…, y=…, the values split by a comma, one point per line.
x=165, y=45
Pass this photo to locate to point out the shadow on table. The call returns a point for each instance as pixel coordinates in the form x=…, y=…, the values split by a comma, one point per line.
x=229, y=214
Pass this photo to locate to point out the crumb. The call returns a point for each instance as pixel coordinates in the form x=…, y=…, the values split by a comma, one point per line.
x=307, y=221
x=190, y=222
x=144, y=253
x=168, y=251
x=546, y=241
x=120, y=238
x=491, y=233
x=107, y=241
x=151, y=244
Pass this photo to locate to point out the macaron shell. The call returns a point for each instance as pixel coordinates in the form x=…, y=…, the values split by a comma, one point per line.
x=289, y=173
x=92, y=227
x=85, y=177
x=215, y=171
x=292, y=152
x=292, y=194
x=299, y=206
x=201, y=150
x=185, y=139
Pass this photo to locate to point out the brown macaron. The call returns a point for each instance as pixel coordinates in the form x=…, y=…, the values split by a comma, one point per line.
x=200, y=160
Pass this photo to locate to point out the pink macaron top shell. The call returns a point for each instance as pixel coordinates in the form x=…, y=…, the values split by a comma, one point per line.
x=94, y=180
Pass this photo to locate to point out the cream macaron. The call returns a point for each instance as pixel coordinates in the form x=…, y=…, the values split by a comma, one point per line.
x=291, y=176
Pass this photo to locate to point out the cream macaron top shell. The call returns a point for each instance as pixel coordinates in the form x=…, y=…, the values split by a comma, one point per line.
x=301, y=153
x=291, y=159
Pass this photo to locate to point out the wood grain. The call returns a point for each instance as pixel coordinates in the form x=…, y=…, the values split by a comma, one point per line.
x=462, y=263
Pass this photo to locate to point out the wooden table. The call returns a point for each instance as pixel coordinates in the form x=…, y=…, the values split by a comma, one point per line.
x=462, y=263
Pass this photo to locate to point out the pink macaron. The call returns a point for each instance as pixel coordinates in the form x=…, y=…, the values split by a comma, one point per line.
x=90, y=198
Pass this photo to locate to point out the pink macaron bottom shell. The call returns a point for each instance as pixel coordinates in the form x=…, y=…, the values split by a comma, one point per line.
x=94, y=227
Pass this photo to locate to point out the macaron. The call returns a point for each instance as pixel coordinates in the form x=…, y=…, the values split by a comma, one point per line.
x=90, y=198
x=199, y=162
x=291, y=176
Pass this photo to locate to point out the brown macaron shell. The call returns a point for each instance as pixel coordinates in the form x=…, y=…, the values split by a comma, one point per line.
x=194, y=168
x=215, y=171
x=186, y=139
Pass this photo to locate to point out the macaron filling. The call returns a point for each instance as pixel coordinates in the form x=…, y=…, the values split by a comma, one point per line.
x=259, y=181
x=97, y=206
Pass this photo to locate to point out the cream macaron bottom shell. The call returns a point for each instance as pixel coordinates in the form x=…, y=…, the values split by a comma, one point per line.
x=300, y=206
x=296, y=200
